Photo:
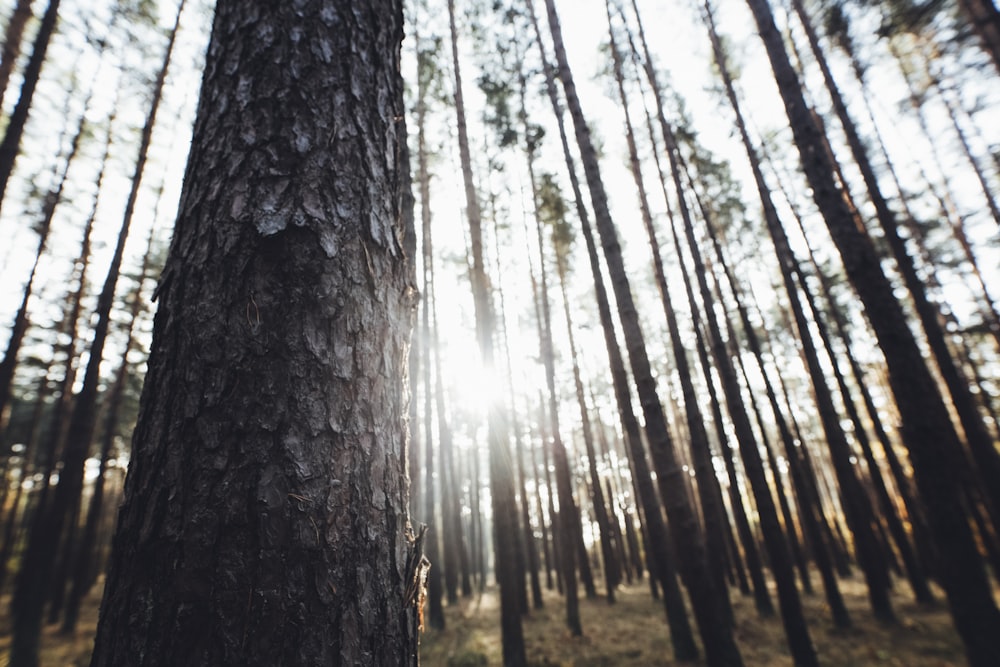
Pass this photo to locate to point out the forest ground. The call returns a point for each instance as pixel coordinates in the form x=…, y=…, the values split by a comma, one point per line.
x=631, y=633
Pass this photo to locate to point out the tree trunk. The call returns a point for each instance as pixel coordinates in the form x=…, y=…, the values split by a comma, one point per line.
x=808, y=501
x=434, y=584
x=927, y=428
x=12, y=43
x=47, y=530
x=263, y=523
x=985, y=20
x=979, y=439
x=709, y=608
x=11, y=144
x=81, y=582
x=501, y=476
x=711, y=506
x=659, y=556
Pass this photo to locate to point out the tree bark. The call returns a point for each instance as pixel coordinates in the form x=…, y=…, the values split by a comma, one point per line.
x=658, y=555
x=265, y=516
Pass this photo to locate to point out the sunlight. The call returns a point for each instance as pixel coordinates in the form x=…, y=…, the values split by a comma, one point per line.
x=473, y=387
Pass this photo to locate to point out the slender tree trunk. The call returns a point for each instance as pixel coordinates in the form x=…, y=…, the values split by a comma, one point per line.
x=928, y=431
x=501, y=479
x=706, y=598
x=48, y=528
x=980, y=442
x=86, y=553
x=521, y=556
x=529, y=533
x=611, y=568
x=808, y=500
x=263, y=504
x=11, y=144
x=12, y=43
x=712, y=510
x=434, y=584
x=985, y=20
x=659, y=556
x=540, y=511
x=914, y=569
x=21, y=322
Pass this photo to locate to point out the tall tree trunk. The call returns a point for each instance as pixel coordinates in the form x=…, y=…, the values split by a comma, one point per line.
x=50, y=203
x=434, y=584
x=985, y=20
x=11, y=144
x=914, y=569
x=812, y=510
x=254, y=501
x=927, y=428
x=976, y=434
x=13, y=36
x=659, y=555
x=540, y=511
x=47, y=529
x=520, y=554
x=611, y=568
x=501, y=478
x=706, y=598
x=711, y=506
x=86, y=552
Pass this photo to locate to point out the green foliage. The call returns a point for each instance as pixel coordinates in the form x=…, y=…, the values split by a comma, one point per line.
x=429, y=73
x=552, y=210
x=498, y=115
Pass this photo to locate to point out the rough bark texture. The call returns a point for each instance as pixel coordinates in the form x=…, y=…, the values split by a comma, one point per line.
x=926, y=427
x=264, y=520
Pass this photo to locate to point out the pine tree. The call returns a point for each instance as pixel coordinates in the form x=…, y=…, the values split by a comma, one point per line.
x=265, y=512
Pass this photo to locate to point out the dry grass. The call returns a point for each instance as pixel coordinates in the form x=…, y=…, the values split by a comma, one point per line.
x=633, y=633
x=57, y=649
x=630, y=633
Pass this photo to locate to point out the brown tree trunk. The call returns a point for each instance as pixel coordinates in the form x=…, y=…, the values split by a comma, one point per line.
x=11, y=144
x=813, y=511
x=985, y=20
x=501, y=476
x=976, y=434
x=658, y=553
x=12, y=43
x=927, y=428
x=265, y=517
x=706, y=598
x=47, y=529
x=711, y=504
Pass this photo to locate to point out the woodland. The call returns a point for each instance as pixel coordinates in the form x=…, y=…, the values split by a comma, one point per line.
x=500, y=332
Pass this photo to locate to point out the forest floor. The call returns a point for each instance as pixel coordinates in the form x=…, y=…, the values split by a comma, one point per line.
x=630, y=633
x=633, y=633
x=57, y=649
